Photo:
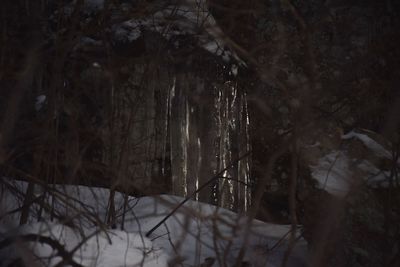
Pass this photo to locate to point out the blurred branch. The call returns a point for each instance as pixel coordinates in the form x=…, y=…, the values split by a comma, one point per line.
x=67, y=257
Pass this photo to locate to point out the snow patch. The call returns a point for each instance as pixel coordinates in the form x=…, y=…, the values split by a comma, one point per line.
x=128, y=31
x=40, y=101
x=333, y=173
x=234, y=70
x=371, y=144
x=337, y=171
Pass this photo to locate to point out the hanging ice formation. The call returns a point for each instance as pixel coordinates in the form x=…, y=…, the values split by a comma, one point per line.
x=209, y=129
x=208, y=122
x=204, y=124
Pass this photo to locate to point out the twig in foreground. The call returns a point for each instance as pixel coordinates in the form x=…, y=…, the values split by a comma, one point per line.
x=217, y=176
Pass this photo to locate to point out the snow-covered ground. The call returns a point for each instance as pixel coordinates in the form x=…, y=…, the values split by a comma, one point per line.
x=196, y=235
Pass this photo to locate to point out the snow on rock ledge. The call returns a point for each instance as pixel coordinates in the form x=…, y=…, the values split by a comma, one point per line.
x=358, y=158
x=172, y=19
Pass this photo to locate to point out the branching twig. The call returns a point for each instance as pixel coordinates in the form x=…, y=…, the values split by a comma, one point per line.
x=218, y=175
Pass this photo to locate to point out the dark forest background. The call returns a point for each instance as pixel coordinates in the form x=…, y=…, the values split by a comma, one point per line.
x=313, y=71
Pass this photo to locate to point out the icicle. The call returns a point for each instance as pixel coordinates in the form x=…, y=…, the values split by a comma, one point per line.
x=185, y=144
x=198, y=166
x=232, y=135
x=166, y=120
x=244, y=165
x=206, y=135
